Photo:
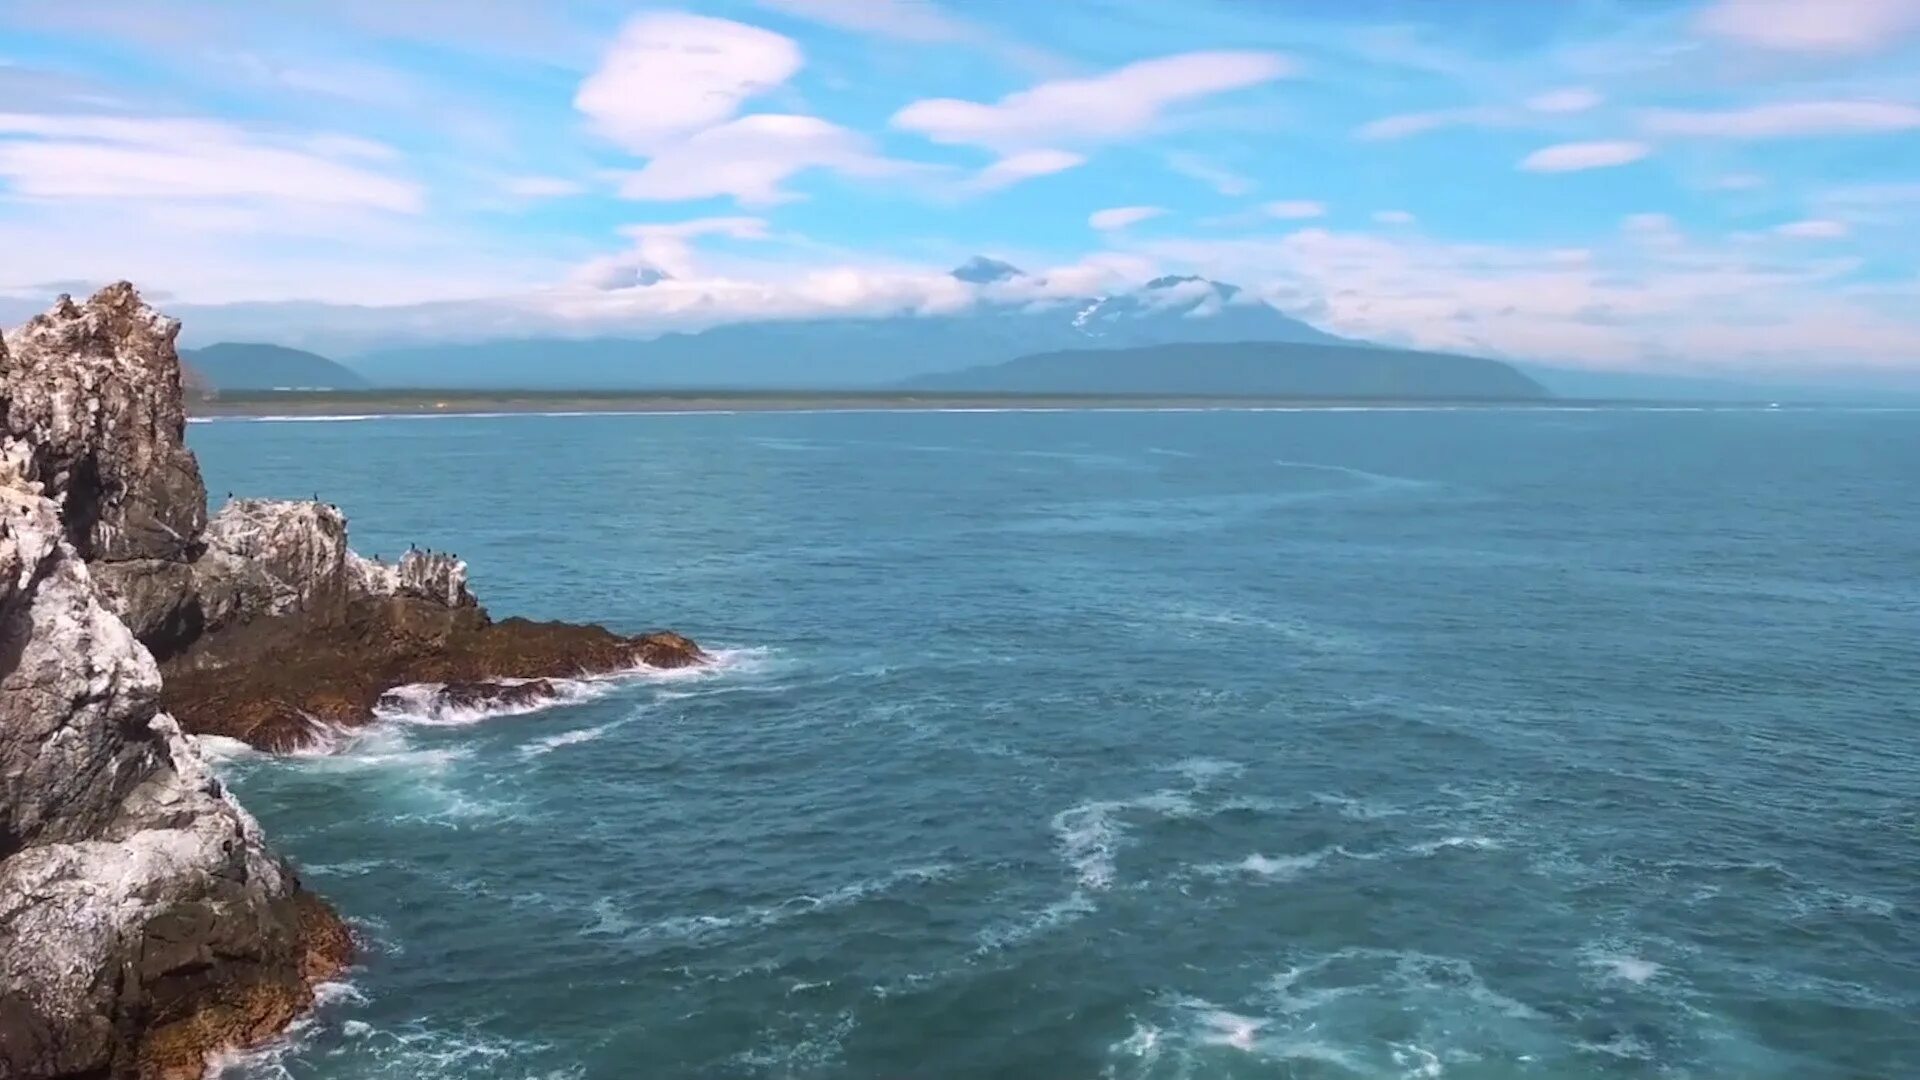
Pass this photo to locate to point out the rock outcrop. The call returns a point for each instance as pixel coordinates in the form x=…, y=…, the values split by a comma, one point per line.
x=144, y=923
x=298, y=634
x=267, y=625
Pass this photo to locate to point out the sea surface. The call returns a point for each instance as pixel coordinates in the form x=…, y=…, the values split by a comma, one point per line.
x=1462, y=743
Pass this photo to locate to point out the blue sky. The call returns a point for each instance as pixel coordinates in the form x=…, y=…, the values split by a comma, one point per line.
x=1707, y=185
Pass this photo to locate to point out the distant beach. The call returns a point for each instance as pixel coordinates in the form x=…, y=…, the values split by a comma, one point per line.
x=313, y=403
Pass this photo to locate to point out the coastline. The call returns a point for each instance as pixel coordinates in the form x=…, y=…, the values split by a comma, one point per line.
x=378, y=403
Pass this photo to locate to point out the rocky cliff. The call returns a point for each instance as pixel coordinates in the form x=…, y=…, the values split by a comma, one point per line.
x=143, y=921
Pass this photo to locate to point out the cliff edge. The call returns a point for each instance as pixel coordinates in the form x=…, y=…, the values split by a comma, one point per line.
x=143, y=921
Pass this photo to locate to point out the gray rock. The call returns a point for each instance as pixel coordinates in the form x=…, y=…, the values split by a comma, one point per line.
x=143, y=920
x=94, y=391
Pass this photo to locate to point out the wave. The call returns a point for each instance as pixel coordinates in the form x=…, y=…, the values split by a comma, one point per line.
x=550, y=743
x=268, y=1061
x=610, y=921
x=1017, y=932
x=417, y=703
x=1374, y=479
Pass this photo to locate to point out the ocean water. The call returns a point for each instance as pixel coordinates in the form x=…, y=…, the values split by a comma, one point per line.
x=1055, y=745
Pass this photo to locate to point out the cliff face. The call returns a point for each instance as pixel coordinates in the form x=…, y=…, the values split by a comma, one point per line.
x=143, y=921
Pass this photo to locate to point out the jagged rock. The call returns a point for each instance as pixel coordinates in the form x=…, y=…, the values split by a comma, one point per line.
x=143, y=922
x=93, y=405
x=449, y=698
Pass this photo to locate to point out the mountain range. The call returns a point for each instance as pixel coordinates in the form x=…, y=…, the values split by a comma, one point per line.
x=251, y=366
x=1175, y=334
x=852, y=352
x=1257, y=368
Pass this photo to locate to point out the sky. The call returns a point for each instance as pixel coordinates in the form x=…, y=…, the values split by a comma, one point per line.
x=1697, y=186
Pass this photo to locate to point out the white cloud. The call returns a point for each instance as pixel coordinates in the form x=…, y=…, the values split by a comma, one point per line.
x=1738, y=182
x=751, y=158
x=670, y=74
x=666, y=248
x=1553, y=102
x=917, y=20
x=1120, y=217
x=1419, y=123
x=1194, y=167
x=1572, y=99
x=111, y=157
x=1393, y=217
x=1785, y=120
x=1647, y=224
x=1620, y=303
x=1813, y=229
x=1295, y=209
x=1811, y=26
x=1121, y=103
x=541, y=187
x=1574, y=157
x=1025, y=165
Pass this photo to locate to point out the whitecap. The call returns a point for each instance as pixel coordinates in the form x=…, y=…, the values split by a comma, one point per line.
x=1223, y=1028
x=1358, y=809
x=1087, y=835
x=1204, y=771
x=418, y=703
x=550, y=743
x=1447, y=843
x=1074, y=906
x=1283, y=867
x=220, y=749
x=611, y=921
x=1625, y=1046
x=1627, y=968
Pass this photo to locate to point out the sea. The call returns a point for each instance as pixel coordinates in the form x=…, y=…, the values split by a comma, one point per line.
x=1328, y=743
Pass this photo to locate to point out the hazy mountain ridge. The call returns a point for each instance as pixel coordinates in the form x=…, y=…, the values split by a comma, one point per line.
x=852, y=352
x=1265, y=368
x=254, y=366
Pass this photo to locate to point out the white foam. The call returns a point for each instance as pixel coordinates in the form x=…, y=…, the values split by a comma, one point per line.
x=418, y=703
x=550, y=743
x=1087, y=835
x=1447, y=843
x=1223, y=1028
x=421, y=703
x=1633, y=969
x=219, y=749
x=1419, y=1062
x=1204, y=771
x=1358, y=809
x=1624, y=1046
x=1283, y=867
x=611, y=921
x=1071, y=908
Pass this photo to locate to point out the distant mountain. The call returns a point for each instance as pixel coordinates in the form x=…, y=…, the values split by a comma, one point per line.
x=854, y=352
x=1267, y=369
x=237, y=366
x=1648, y=386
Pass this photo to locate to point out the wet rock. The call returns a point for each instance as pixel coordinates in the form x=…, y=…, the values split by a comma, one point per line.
x=471, y=697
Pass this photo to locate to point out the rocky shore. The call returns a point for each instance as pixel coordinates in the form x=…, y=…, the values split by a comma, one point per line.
x=144, y=921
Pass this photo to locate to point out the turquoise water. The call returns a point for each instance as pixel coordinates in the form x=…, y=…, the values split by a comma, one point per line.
x=1056, y=745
